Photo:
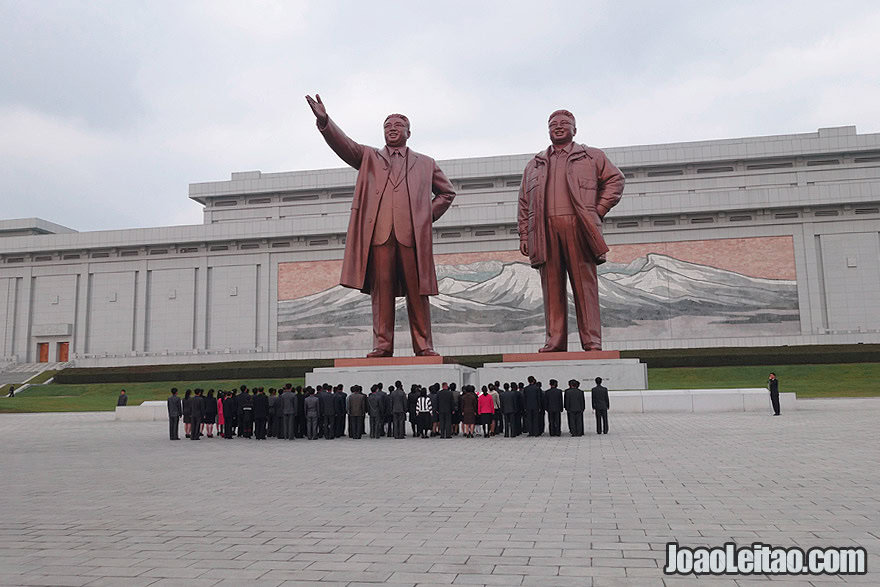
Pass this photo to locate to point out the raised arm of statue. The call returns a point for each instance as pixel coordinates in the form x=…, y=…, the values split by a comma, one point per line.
x=347, y=149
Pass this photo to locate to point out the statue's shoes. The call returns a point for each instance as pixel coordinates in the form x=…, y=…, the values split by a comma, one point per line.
x=428, y=353
x=377, y=353
x=549, y=349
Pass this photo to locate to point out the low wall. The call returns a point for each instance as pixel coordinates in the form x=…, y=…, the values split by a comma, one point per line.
x=146, y=412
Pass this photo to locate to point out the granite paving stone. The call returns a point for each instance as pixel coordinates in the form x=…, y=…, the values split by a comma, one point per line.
x=91, y=501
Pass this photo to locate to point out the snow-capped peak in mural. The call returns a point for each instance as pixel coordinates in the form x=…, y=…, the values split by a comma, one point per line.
x=653, y=296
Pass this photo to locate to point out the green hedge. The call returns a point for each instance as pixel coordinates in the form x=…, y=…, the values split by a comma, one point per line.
x=742, y=356
x=655, y=358
x=191, y=372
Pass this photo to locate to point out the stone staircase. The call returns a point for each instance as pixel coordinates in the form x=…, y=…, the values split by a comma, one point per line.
x=17, y=373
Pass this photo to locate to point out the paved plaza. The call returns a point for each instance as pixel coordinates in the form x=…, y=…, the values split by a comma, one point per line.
x=86, y=500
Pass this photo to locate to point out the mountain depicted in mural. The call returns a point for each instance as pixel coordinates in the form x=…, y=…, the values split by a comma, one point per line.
x=491, y=298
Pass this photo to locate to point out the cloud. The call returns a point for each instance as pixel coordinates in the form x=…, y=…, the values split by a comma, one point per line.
x=109, y=109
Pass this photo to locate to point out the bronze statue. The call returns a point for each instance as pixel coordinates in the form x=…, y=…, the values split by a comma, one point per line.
x=389, y=245
x=566, y=191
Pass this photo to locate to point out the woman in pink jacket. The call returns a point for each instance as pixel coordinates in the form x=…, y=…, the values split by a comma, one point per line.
x=486, y=409
x=220, y=420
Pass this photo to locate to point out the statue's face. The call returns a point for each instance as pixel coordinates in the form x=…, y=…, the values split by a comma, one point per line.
x=396, y=132
x=562, y=129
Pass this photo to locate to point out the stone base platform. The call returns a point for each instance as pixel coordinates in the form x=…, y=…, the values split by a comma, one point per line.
x=146, y=412
x=407, y=370
x=615, y=373
x=391, y=361
x=566, y=356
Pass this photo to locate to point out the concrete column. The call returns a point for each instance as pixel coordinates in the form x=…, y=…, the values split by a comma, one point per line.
x=269, y=301
x=201, y=304
x=804, y=262
x=141, y=302
x=82, y=307
x=24, y=302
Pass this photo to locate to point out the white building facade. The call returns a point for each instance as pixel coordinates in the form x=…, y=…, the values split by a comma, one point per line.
x=756, y=241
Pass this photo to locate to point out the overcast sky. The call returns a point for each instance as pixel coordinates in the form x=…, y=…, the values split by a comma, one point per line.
x=108, y=110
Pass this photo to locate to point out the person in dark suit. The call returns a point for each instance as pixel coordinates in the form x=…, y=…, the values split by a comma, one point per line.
x=246, y=412
x=357, y=409
x=273, y=403
x=228, y=415
x=261, y=413
x=542, y=420
x=387, y=415
x=123, y=399
x=445, y=405
x=175, y=409
x=278, y=424
x=232, y=413
x=534, y=405
x=398, y=411
x=328, y=412
x=575, y=404
x=340, y=396
x=374, y=405
x=299, y=420
x=433, y=390
x=197, y=403
x=773, y=386
x=520, y=423
x=288, y=413
x=411, y=401
x=554, y=403
x=456, y=412
x=509, y=408
x=601, y=403
x=312, y=410
x=210, y=413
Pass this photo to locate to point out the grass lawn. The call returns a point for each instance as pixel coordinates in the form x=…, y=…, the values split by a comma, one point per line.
x=837, y=380
x=100, y=397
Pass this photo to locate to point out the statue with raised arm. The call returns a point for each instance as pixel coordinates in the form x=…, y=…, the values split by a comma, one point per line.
x=567, y=189
x=389, y=244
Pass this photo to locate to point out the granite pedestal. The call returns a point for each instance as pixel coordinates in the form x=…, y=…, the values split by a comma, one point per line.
x=408, y=370
x=615, y=373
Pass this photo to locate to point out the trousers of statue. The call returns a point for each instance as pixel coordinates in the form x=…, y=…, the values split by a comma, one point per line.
x=569, y=258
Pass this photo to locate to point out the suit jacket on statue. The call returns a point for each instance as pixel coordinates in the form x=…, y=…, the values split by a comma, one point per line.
x=423, y=177
x=594, y=184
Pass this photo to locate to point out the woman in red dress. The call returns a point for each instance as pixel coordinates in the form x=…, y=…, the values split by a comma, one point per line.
x=220, y=420
x=486, y=408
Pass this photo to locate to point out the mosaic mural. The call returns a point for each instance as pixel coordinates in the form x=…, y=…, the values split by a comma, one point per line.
x=686, y=289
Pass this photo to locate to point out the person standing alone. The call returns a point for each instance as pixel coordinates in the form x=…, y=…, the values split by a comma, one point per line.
x=174, y=411
x=601, y=403
x=773, y=386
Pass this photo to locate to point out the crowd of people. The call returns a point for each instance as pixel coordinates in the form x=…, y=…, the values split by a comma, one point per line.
x=441, y=410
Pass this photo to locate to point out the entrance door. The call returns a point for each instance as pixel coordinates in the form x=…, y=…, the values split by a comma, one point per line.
x=43, y=351
x=63, y=352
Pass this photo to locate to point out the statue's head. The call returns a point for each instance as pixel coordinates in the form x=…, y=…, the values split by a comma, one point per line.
x=562, y=127
x=396, y=130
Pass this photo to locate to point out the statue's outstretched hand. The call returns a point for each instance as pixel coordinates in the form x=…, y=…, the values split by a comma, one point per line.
x=318, y=108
